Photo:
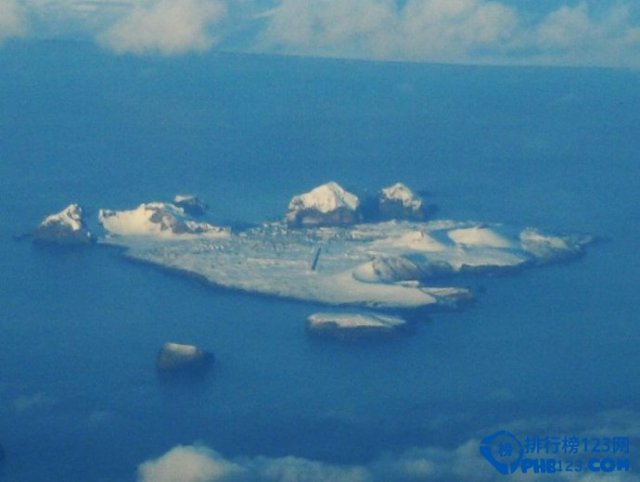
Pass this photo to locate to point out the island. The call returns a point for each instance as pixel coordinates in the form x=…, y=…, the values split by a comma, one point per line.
x=353, y=325
x=66, y=228
x=176, y=359
x=325, y=251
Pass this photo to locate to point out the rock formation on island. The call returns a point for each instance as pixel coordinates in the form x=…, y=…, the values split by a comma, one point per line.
x=190, y=204
x=156, y=219
x=326, y=205
x=66, y=228
x=353, y=325
x=399, y=202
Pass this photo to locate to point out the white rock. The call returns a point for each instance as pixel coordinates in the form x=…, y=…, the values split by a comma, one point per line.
x=66, y=227
x=158, y=220
x=397, y=202
x=325, y=198
x=388, y=269
x=328, y=205
x=342, y=325
x=71, y=217
x=180, y=198
x=480, y=236
x=547, y=248
x=177, y=357
x=401, y=193
x=416, y=240
x=190, y=204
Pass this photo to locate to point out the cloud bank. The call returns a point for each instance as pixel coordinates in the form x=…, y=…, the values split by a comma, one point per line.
x=167, y=26
x=188, y=464
x=576, y=36
x=13, y=22
x=571, y=32
x=422, y=29
x=461, y=31
x=196, y=463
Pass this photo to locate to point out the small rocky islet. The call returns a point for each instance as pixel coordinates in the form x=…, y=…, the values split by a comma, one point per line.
x=178, y=359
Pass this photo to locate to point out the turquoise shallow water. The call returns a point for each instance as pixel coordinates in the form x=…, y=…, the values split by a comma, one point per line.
x=79, y=399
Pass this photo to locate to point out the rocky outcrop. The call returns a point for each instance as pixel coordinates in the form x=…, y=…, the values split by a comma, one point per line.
x=326, y=205
x=176, y=358
x=353, y=325
x=548, y=248
x=64, y=228
x=390, y=269
x=156, y=219
x=191, y=205
x=398, y=202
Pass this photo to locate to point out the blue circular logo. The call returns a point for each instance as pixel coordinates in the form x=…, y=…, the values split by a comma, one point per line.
x=502, y=450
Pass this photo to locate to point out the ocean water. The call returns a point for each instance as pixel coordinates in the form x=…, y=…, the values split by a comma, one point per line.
x=79, y=329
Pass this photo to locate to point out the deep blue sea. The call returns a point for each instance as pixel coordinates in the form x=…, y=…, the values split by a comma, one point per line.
x=555, y=347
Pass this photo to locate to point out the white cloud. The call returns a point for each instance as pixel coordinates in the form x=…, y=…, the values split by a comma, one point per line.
x=165, y=26
x=201, y=464
x=421, y=29
x=437, y=464
x=13, y=21
x=575, y=36
x=573, y=32
x=459, y=31
x=442, y=29
x=329, y=27
x=53, y=18
x=565, y=27
x=294, y=469
x=188, y=464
